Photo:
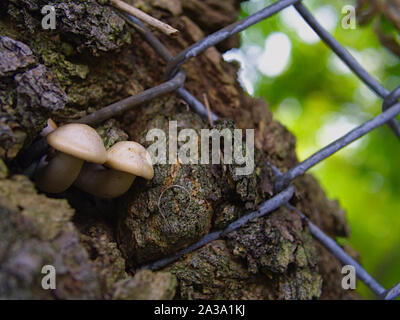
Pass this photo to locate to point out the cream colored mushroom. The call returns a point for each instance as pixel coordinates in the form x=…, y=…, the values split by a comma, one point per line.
x=74, y=143
x=126, y=160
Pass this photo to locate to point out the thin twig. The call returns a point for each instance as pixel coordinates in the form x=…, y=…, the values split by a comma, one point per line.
x=165, y=28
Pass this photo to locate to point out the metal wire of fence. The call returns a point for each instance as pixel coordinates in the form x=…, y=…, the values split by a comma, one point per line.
x=283, y=189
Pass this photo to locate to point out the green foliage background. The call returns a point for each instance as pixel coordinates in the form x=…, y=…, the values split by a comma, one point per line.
x=318, y=103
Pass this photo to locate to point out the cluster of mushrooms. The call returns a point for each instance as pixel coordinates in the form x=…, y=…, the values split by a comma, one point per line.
x=80, y=159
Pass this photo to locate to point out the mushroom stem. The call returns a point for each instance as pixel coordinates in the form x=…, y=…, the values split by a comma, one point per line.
x=102, y=182
x=59, y=174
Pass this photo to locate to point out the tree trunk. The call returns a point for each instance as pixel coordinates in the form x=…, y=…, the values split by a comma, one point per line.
x=93, y=59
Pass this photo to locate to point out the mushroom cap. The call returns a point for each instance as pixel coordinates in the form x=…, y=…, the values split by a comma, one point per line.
x=130, y=157
x=80, y=141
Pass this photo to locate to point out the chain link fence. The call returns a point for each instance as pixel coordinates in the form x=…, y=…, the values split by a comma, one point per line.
x=283, y=188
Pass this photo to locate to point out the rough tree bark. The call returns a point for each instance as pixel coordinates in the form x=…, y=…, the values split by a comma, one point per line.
x=93, y=59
